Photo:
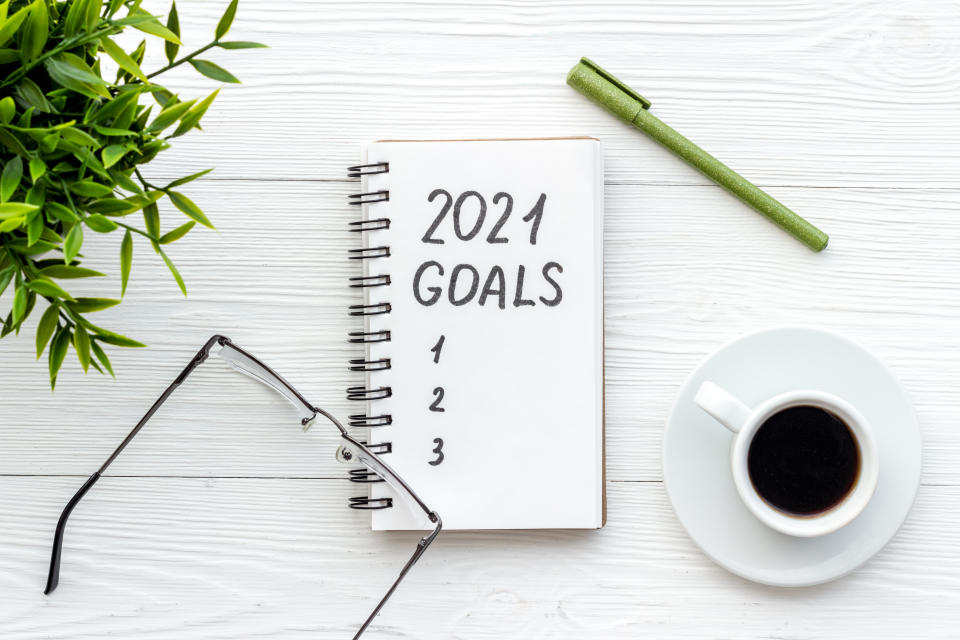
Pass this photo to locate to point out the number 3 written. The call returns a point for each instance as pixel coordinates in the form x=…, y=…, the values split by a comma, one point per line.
x=437, y=450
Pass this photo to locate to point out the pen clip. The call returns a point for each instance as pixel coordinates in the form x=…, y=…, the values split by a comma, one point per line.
x=609, y=77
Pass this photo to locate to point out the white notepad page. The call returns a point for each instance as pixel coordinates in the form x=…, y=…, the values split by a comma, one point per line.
x=512, y=399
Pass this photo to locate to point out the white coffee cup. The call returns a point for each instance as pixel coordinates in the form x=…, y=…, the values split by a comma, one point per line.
x=744, y=422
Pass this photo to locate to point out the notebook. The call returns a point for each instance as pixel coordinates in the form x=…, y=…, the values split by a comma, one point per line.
x=482, y=275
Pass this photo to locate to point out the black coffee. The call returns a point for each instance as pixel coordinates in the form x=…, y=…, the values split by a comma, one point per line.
x=803, y=460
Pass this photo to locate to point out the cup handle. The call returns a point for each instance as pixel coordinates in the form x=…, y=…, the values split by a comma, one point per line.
x=722, y=406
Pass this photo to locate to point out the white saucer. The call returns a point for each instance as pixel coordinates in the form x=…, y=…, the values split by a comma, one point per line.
x=696, y=455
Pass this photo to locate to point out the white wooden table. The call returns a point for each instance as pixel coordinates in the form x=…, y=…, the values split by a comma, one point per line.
x=223, y=520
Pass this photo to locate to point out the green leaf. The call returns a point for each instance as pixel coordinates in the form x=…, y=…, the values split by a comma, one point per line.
x=112, y=207
x=19, y=302
x=112, y=154
x=36, y=195
x=11, y=142
x=140, y=123
x=81, y=343
x=5, y=277
x=126, y=261
x=153, y=27
x=79, y=137
x=214, y=71
x=10, y=178
x=50, y=236
x=93, y=14
x=90, y=189
x=68, y=272
x=7, y=110
x=151, y=218
x=22, y=246
x=176, y=234
x=186, y=205
x=75, y=15
x=170, y=115
x=79, y=16
x=113, y=108
x=122, y=59
x=173, y=270
x=116, y=339
x=224, y=25
x=142, y=200
x=181, y=181
x=239, y=44
x=114, y=6
x=12, y=24
x=132, y=18
x=125, y=182
x=91, y=162
x=60, y=212
x=173, y=24
x=71, y=72
x=31, y=302
x=35, y=31
x=49, y=142
x=12, y=223
x=58, y=351
x=192, y=118
x=163, y=96
x=48, y=288
x=100, y=223
x=102, y=357
x=35, y=227
x=89, y=305
x=111, y=131
x=12, y=209
x=72, y=243
x=37, y=168
x=48, y=324
x=31, y=96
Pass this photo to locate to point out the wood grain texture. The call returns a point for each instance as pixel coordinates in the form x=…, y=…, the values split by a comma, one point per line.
x=223, y=520
x=228, y=558
x=847, y=93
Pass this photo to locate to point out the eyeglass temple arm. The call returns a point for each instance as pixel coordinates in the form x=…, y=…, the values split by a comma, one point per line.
x=421, y=549
x=236, y=357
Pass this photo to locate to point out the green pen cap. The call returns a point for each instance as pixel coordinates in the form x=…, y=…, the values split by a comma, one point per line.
x=605, y=89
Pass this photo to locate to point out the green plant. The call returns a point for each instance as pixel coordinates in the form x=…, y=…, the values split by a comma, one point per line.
x=72, y=146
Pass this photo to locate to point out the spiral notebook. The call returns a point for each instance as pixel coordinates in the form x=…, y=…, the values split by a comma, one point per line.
x=482, y=275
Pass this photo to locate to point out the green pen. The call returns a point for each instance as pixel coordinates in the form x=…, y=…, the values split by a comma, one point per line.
x=603, y=88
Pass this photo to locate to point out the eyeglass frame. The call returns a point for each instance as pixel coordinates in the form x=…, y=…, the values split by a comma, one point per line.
x=351, y=451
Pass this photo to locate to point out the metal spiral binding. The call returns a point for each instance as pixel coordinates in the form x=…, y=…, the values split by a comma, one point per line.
x=377, y=309
x=366, y=503
x=363, y=282
x=368, y=169
x=380, y=364
x=363, y=420
x=367, y=337
x=368, y=394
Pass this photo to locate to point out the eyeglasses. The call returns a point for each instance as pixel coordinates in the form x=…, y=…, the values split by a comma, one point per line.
x=350, y=450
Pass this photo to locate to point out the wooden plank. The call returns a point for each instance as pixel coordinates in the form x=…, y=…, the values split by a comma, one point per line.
x=687, y=268
x=848, y=93
x=205, y=558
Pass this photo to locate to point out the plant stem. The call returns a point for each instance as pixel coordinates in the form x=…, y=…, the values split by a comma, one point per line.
x=187, y=58
x=83, y=216
x=144, y=182
x=135, y=230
